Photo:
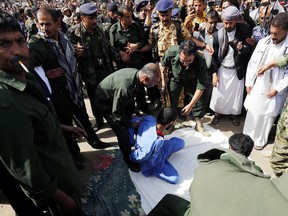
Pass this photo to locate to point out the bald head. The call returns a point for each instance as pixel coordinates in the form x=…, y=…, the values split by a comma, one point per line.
x=149, y=75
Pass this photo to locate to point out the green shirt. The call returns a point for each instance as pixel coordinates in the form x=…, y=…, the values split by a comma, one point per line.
x=95, y=63
x=116, y=94
x=32, y=146
x=119, y=38
x=195, y=73
x=282, y=61
x=227, y=183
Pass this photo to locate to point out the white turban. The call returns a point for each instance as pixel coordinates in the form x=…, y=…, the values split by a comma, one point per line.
x=230, y=13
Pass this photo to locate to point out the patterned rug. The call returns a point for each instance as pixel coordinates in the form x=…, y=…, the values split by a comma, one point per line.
x=109, y=191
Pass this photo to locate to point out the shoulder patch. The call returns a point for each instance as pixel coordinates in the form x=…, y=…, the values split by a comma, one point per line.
x=155, y=25
x=5, y=98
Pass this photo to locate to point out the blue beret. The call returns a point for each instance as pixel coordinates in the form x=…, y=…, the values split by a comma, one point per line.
x=164, y=5
x=141, y=4
x=112, y=6
x=88, y=8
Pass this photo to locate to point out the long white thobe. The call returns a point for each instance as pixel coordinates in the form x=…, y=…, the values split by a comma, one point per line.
x=227, y=97
x=261, y=110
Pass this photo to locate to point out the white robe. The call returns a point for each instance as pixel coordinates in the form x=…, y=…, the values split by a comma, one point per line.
x=227, y=97
x=262, y=111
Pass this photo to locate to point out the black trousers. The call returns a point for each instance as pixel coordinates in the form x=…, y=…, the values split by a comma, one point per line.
x=66, y=112
x=121, y=132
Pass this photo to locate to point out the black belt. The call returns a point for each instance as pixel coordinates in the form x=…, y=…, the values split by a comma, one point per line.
x=230, y=68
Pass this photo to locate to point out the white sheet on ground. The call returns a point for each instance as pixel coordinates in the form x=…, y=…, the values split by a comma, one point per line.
x=152, y=189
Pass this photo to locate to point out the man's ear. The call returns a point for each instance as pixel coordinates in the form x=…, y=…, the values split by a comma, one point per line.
x=147, y=79
x=144, y=79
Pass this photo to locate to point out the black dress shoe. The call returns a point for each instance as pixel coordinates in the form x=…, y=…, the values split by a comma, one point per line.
x=134, y=167
x=98, y=125
x=98, y=144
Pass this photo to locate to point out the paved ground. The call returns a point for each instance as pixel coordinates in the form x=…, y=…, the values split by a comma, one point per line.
x=262, y=158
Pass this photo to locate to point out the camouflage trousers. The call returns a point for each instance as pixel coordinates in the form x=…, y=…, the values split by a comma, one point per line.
x=279, y=157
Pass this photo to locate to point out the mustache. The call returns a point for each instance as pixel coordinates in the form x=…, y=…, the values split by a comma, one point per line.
x=15, y=59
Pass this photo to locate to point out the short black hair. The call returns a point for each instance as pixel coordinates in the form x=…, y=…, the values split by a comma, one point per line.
x=280, y=21
x=212, y=14
x=8, y=23
x=53, y=13
x=233, y=2
x=122, y=8
x=187, y=47
x=167, y=115
x=241, y=143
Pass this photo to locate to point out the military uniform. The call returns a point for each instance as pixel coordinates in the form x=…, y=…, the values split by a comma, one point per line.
x=95, y=63
x=115, y=101
x=227, y=183
x=283, y=61
x=162, y=37
x=190, y=78
x=279, y=157
x=33, y=148
x=167, y=36
x=106, y=22
x=119, y=38
x=31, y=27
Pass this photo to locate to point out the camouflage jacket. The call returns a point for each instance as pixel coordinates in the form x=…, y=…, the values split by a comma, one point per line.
x=90, y=67
x=279, y=156
x=161, y=37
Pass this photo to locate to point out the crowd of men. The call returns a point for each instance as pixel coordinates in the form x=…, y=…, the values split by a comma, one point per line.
x=133, y=57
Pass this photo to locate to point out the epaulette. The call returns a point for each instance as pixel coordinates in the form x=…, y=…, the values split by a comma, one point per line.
x=155, y=25
x=36, y=37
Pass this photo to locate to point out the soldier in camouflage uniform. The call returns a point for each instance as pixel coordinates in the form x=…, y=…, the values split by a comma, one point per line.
x=279, y=157
x=30, y=23
x=93, y=55
x=164, y=34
